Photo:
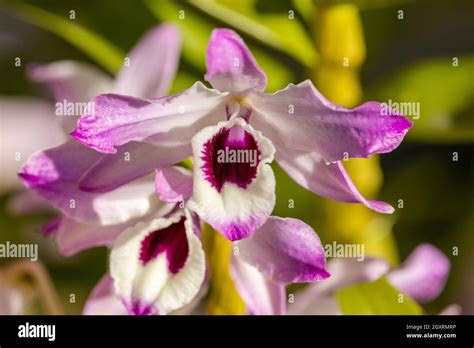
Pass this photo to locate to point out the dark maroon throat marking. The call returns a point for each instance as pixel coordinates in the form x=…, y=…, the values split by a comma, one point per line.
x=230, y=156
x=171, y=240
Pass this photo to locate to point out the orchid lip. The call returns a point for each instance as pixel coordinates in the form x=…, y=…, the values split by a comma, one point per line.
x=235, y=198
x=231, y=156
x=158, y=266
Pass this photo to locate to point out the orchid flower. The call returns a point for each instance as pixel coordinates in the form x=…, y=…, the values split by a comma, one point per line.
x=306, y=134
x=422, y=277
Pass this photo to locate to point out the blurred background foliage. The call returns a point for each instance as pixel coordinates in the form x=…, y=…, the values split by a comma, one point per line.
x=403, y=56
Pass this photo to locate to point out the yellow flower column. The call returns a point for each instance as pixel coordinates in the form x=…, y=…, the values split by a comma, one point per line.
x=339, y=38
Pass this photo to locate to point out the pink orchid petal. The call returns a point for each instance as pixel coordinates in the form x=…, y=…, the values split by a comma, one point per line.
x=74, y=236
x=261, y=295
x=286, y=251
x=71, y=81
x=230, y=65
x=54, y=175
x=152, y=64
x=169, y=121
x=423, y=274
x=173, y=184
x=103, y=300
x=132, y=161
x=302, y=119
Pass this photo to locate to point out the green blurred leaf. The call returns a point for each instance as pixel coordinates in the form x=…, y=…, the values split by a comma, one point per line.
x=275, y=29
x=196, y=31
x=445, y=94
x=99, y=49
x=377, y=297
